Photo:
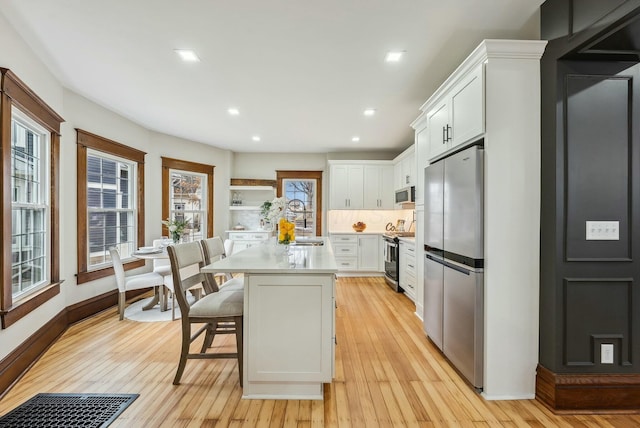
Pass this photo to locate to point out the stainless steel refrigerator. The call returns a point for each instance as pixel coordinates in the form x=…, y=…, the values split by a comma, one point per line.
x=454, y=260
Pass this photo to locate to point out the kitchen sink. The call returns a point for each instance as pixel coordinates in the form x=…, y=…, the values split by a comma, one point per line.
x=308, y=242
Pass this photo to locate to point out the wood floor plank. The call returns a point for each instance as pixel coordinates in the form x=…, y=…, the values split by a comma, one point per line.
x=388, y=374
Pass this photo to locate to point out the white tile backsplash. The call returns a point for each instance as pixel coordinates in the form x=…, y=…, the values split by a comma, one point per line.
x=376, y=220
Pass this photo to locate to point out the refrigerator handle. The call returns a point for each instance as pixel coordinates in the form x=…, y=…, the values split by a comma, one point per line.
x=449, y=265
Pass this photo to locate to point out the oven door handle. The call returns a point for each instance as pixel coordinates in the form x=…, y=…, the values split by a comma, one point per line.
x=387, y=251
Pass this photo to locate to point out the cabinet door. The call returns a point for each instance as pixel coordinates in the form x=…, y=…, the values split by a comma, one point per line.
x=378, y=187
x=398, y=178
x=408, y=171
x=467, y=108
x=386, y=190
x=437, y=123
x=339, y=191
x=372, y=179
x=368, y=253
x=355, y=200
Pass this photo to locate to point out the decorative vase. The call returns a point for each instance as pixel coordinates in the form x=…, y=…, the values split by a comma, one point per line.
x=177, y=238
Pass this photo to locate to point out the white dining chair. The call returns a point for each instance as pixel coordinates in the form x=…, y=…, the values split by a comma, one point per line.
x=132, y=282
x=213, y=250
x=163, y=267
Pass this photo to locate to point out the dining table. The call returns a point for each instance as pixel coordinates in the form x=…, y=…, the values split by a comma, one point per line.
x=289, y=317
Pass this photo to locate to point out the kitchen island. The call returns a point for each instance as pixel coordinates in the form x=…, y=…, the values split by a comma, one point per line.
x=289, y=318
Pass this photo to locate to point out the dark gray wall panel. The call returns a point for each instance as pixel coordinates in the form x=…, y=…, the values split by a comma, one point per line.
x=590, y=319
x=598, y=150
x=588, y=12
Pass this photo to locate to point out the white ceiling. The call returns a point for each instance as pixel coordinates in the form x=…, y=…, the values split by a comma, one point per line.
x=301, y=72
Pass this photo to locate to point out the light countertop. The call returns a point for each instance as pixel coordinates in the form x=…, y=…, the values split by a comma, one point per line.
x=353, y=232
x=271, y=258
x=248, y=231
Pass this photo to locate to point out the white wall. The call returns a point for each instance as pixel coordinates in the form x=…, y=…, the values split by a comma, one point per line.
x=16, y=55
x=264, y=165
x=82, y=113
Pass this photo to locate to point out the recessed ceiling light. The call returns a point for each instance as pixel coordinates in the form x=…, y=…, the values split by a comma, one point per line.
x=355, y=139
x=233, y=111
x=369, y=112
x=256, y=138
x=393, y=56
x=187, y=55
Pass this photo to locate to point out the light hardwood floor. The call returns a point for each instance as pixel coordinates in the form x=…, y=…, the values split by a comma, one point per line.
x=387, y=374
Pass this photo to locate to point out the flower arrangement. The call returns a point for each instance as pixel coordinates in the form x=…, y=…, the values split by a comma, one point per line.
x=286, y=233
x=176, y=227
x=273, y=210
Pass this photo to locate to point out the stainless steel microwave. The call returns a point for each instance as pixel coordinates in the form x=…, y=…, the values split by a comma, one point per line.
x=406, y=195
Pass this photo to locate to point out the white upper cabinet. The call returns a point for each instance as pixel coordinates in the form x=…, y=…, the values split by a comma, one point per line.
x=346, y=190
x=456, y=116
x=422, y=158
x=467, y=108
x=404, y=166
x=378, y=187
x=360, y=185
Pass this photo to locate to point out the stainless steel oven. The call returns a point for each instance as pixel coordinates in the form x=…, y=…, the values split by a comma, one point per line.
x=391, y=261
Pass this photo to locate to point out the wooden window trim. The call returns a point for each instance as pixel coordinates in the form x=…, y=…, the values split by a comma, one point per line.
x=14, y=92
x=182, y=165
x=87, y=140
x=317, y=175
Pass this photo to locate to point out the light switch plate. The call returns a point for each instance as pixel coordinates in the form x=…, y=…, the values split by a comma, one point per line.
x=603, y=230
x=606, y=353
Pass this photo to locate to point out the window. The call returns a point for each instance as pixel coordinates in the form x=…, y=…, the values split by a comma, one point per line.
x=29, y=205
x=111, y=207
x=110, y=204
x=30, y=138
x=187, y=194
x=303, y=190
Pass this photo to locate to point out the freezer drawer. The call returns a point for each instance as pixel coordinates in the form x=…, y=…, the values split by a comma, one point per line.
x=463, y=314
x=433, y=299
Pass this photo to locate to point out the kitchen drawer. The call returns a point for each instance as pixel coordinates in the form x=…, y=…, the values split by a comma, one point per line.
x=410, y=262
x=410, y=280
x=341, y=250
x=347, y=263
x=344, y=239
x=249, y=236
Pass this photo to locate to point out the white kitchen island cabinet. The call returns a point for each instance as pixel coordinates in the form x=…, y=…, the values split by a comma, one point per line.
x=289, y=319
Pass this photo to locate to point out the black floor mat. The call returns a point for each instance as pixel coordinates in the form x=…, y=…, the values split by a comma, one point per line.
x=68, y=410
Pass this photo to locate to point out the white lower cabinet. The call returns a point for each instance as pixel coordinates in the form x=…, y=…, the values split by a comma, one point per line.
x=369, y=253
x=245, y=239
x=357, y=252
x=407, y=273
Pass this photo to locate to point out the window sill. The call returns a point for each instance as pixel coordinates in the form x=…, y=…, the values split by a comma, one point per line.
x=29, y=304
x=83, y=277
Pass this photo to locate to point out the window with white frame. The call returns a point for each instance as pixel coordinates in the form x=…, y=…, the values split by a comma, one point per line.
x=111, y=207
x=30, y=205
x=188, y=203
